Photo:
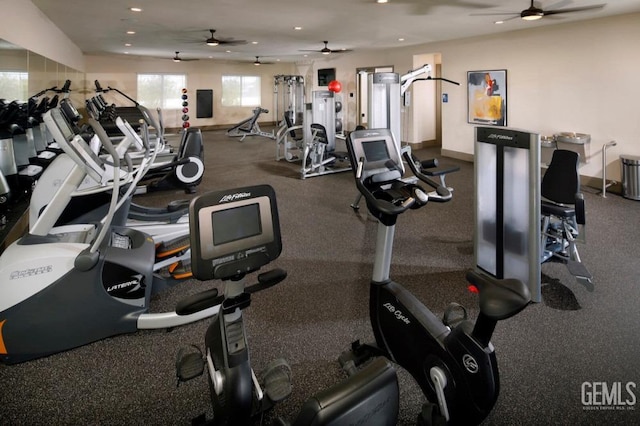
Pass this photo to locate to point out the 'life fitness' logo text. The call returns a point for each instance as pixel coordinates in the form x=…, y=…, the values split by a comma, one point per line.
x=608, y=396
x=234, y=197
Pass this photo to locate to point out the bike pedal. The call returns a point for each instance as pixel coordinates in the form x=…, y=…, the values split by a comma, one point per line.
x=277, y=380
x=430, y=416
x=189, y=364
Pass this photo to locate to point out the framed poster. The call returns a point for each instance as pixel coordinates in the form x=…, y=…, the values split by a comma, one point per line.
x=487, y=97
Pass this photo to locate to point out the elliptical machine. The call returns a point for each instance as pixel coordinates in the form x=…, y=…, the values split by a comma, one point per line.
x=63, y=287
x=454, y=364
x=235, y=233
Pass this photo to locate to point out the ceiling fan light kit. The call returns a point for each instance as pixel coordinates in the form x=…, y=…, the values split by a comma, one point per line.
x=532, y=14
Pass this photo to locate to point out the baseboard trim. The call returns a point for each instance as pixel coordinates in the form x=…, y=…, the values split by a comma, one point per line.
x=457, y=155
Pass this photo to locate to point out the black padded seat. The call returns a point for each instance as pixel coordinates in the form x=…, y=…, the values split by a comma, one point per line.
x=552, y=209
x=499, y=298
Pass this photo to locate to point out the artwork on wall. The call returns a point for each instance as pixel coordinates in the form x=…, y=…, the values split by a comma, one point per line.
x=487, y=97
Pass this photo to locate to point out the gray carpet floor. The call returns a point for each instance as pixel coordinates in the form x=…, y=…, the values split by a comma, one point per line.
x=551, y=356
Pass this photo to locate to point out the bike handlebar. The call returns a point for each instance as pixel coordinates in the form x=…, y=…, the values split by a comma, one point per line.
x=442, y=192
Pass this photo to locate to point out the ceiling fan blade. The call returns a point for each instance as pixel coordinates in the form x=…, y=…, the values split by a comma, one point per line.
x=212, y=40
x=573, y=9
x=177, y=58
x=231, y=42
x=495, y=14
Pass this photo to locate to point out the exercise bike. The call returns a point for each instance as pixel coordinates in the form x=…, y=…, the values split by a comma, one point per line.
x=454, y=364
x=234, y=233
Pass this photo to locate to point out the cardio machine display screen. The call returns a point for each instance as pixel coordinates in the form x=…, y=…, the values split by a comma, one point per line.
x=62, y=124
x=375, y=150
x=233, y=232
x=236, y=224
x=233, y=228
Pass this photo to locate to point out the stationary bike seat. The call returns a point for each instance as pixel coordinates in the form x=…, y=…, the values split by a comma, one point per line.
x=499, y=298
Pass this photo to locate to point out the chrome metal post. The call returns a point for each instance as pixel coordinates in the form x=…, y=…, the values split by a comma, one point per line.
x=605, y=185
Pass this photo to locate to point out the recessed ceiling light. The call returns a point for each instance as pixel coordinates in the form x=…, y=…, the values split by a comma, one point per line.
x=135, y=9
x=382, y=1
x=131, y=32
x=400, y=39
x=126, y=53
x=254, y=42
x=227, y=51
x=297, y=28
x=499, y=22
x=127, y=44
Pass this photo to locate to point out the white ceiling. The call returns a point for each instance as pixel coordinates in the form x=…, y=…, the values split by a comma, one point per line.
x=167, y=26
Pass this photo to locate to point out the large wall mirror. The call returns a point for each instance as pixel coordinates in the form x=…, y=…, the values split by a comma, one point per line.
x=24, y=74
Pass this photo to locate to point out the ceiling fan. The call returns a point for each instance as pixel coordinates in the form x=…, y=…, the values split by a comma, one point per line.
x=177, y=58
x=257, y=62
x=325, y=50
x=214, y=41
x=533, y=12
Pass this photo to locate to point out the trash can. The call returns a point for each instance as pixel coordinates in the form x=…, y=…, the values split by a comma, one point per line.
x=630, y=176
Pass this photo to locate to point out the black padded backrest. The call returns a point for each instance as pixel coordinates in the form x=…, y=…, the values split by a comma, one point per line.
x=289, y=122
x=561, y=182
x=369, y=397
x=320, y=133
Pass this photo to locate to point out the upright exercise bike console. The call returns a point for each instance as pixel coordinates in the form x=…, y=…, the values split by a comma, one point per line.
x=234, y=233
x=455, y=365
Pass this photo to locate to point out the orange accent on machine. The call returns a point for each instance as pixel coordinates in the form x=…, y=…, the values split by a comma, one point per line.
x=3, y=348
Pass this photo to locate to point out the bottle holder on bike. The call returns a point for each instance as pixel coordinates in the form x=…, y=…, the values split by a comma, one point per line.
x=454, y=315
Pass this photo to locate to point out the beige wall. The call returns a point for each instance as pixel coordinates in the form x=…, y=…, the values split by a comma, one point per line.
x=577, y=77
x=121, y=73
x=580, y=77
x=24, y=25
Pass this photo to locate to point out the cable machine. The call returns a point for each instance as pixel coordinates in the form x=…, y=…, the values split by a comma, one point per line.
x=289, y=96
x=386, y=90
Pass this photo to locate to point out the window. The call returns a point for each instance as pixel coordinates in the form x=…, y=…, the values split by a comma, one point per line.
x=240, y=90
x=161, y=90
x=14, y=85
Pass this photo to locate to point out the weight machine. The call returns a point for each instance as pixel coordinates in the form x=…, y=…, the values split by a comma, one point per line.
x=250, y=127
x=290, y=106
x=320, y=156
